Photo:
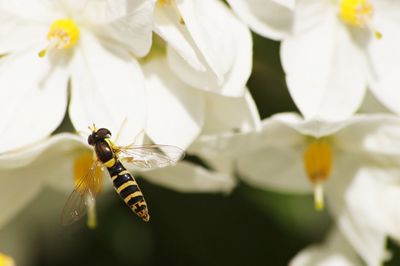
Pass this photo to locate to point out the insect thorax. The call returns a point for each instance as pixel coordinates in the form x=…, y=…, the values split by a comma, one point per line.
x=104, y=151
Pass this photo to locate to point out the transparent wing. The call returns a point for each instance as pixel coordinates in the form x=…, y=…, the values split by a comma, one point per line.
x=84, y=192
x=150, y=156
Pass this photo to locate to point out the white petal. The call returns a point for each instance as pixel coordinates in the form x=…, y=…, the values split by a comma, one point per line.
x=107, y=89
x=270, y=158
x=226, y=113
x=23, y=157
x=269, y=18
x=275, y=168
x=325, y=69
x=46, y=162
x=287, y=3
x=350, y=199
x=187, y=177
x=336, y=251
x=311, y=127
x=385, y=58
x=132, y=27
x=273, y=135
x=373, y=196
x=372, y=134
x=34, y=97
x=168, y=25
x=17, y=34
x=37, y=10
x=223, y=41
x=175, y=110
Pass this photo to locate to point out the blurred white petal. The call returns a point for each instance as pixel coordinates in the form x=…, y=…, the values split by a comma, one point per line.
x=374, y=134
x=50, y=162
x=188, y=177
x=227, y=113
x=312, y=127
x=335, y=251
x=280, y=169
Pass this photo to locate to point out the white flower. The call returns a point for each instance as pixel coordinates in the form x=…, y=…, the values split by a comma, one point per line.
x=338, y=160
x=86, y=47
x=335, y=251
x=61, y=160
x=338, y=48
x=332, y=50
x=269, y=18
x=207, y=46
x=178, y=113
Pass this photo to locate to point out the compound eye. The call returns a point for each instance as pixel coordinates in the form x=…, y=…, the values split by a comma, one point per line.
x=90, y=139
x=103, y=133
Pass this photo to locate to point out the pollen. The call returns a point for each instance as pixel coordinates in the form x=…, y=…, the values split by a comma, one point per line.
x=63, y=34
x=358, y=13
x=6, y=260
x=85, y=177
x=318, y=160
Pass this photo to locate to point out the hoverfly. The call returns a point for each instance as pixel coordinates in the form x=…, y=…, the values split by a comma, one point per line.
x=111, y=156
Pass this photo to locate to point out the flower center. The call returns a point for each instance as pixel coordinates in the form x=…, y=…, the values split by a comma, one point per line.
x=358, y=13
x=318, y=160
x=6, y=260
x=63, y=34
x=88, y=179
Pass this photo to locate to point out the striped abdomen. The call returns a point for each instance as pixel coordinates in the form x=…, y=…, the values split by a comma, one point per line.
x=128, y=189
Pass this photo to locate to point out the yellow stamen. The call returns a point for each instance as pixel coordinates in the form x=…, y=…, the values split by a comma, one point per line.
x=89, y=182
x=318, y=158
x=92, y=216
x=358, y=13
x=63, y=34
x=6, y=260
x=319, y=202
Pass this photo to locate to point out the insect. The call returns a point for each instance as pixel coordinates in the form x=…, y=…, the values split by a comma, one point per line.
x=111, y=157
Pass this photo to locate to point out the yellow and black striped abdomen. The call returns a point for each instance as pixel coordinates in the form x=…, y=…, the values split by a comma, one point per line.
x=128, y=189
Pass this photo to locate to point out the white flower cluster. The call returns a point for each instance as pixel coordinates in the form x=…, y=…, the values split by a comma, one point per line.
x=178, y=71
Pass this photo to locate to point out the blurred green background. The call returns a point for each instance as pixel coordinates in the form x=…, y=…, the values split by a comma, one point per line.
x=248, y=227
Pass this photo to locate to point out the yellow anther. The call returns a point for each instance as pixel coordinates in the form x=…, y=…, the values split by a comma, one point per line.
x=6, y=260
x=358, y=13
x=84, y=177
x=63, y=33
x=318, y=159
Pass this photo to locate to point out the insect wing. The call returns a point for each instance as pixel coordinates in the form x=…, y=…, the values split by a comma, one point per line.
x=151, y=156
x=76, y=205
